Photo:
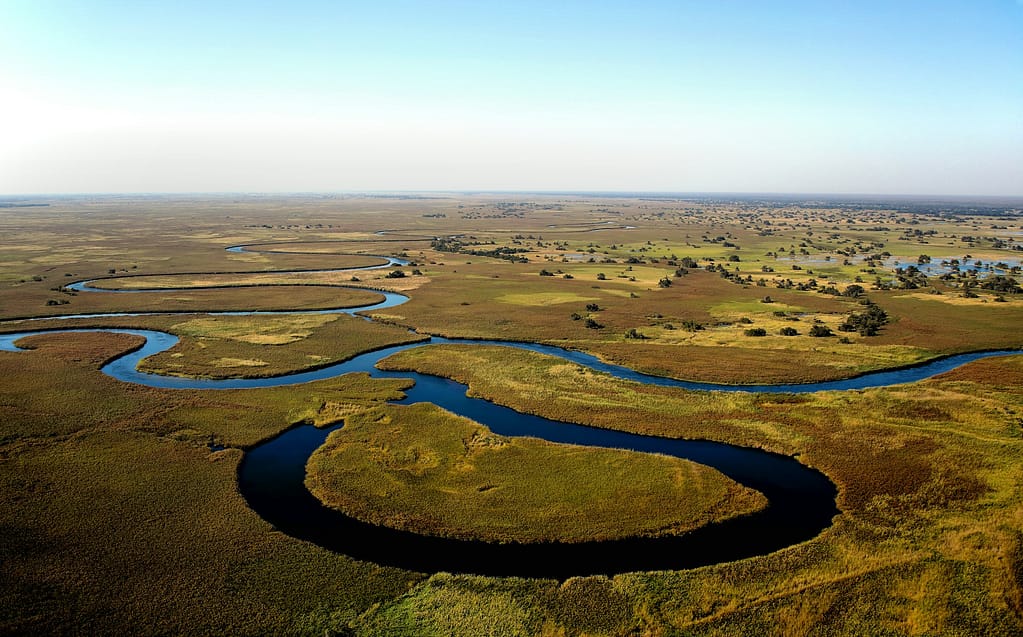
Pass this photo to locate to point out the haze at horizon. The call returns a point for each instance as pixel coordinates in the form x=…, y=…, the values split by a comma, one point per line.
x=870, y=97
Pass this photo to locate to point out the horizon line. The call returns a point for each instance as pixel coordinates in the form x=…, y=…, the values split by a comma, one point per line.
x=502, y=191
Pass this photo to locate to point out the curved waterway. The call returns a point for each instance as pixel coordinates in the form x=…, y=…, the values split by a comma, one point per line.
x=272, y=475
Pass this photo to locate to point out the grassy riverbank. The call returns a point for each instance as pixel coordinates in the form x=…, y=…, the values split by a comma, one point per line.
x=928, y=476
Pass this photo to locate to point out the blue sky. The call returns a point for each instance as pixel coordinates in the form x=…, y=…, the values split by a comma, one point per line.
x=715, y=95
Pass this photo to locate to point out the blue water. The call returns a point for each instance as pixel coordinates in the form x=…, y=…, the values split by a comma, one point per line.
x=271, y=476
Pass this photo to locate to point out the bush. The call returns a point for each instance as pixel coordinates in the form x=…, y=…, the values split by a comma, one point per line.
x=867, y=323
x=593, y=325
x=756, y=331
x=820, y=330
x=789, y=331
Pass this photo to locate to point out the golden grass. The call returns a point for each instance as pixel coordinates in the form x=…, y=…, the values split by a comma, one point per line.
x=422, y=469
x=929, y=478
x=233, y=346
x=116, y=518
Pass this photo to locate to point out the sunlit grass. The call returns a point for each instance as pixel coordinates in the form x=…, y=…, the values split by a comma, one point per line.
x=422, y=469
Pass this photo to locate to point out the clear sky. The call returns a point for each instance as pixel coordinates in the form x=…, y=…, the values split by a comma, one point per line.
x=893, y=96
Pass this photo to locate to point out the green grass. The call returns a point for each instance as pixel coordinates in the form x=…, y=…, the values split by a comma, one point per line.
x=116, y=517
x=423, y=469
x=929, y=488
x=247, y=346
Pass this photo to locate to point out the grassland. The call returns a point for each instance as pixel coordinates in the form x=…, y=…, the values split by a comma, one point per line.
x=226, y=346
x=115, y=515
x=246, y=346
x=928, y=477
x=420, y=468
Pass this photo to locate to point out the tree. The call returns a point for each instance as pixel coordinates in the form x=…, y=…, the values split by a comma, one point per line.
x=593, y=325
x=820, y=330
x=867, y=323
x=789, y=331
x=592, y=307
x=601, y=276
x=756, y=331
x=664, y=283
x=1001, y=283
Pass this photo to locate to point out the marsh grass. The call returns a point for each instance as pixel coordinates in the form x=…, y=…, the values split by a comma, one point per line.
x=247, y=346
x=929, y=488
x=115, y=517
x=422, y=469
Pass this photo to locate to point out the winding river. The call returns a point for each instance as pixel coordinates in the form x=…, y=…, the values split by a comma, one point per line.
x=271, y=475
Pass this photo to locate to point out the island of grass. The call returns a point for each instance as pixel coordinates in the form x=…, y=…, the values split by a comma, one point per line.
x=422, y=469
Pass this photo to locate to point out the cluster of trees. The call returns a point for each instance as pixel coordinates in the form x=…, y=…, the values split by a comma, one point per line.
x=817, y=330
x=866, y=323
x=498, y=252
x=1003, y=284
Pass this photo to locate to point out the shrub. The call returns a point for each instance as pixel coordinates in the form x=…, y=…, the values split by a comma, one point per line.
x=756, y=331
x=867, y=323
x=789, y=331
x=820, y=330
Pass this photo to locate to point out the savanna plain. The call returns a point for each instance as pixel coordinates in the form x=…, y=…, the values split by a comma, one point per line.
x=120, y=507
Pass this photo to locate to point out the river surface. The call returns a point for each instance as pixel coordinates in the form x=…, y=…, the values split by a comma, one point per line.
x=272, y=475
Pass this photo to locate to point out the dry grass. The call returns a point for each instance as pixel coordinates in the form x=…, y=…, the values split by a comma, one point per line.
x=116, y=518
x=930, y=493
x=422, y=469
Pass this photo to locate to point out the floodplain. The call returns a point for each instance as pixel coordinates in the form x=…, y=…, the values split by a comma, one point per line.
x=121, y=505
